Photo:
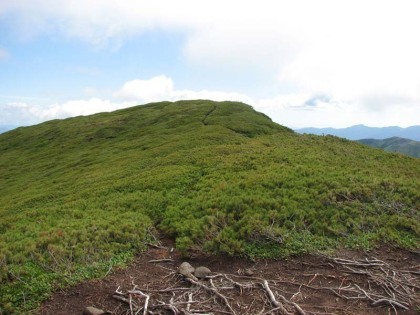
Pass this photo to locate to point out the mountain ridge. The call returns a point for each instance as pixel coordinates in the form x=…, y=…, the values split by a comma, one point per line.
x=81, y=195
x=357, y=132
x=395, y=144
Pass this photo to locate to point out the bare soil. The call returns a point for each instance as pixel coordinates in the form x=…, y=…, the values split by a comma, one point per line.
x=385, y=280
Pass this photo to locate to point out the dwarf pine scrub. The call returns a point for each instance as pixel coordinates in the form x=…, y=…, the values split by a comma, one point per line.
x=81, y=195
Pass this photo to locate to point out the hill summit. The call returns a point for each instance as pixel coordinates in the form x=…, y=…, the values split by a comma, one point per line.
x=80, y=195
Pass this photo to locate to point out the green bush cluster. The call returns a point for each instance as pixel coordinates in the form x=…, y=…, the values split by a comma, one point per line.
x=81, y=195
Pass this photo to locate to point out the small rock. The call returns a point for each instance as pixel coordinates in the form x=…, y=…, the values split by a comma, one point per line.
x=186, y=269
x=248, y=272
x=202, y=272
x=93, y=311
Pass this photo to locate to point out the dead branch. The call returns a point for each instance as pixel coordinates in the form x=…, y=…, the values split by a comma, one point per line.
x=166, y=290
x=377, y=283
x=146, y=302
x=214, y=291
x=296, y=306
x=367, y=262
x=161, y=260
x=390, y=302
x=392, y=287
x=273, y=299
x=121, y=298
x=156, y=246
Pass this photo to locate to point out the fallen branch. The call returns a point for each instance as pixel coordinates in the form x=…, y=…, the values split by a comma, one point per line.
x=376, y=283
x=367, y=262
x=295, y=305
x=161, y=260
x=146, y=302
x=273, y=299
x=390, y=302
x=212, y=290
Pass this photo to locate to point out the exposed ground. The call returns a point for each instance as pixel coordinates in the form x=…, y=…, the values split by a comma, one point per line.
x=385, y=280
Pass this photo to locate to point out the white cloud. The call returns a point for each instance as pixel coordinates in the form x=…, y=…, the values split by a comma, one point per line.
x=76, y=108
x=361, y=55
x=143, y=91
x=303, y=110
x=24, y=113
x=348, y=49
x=16, y=113
x=293, y=110
x=161, y=88
x=4, y=54
x=95, y=21
x=211, y=95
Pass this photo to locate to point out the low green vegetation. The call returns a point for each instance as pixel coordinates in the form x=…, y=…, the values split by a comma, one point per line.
x=82, y=195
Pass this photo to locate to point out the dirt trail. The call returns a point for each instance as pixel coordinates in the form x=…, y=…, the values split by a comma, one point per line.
x=385, y=280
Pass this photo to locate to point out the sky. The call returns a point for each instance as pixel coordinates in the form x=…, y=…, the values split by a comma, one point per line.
x=304, y=63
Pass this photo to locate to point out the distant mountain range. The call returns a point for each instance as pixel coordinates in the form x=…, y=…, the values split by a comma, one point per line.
x=363, y=132
x=395, y=144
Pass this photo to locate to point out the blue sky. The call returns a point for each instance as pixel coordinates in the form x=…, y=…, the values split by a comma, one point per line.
x=304, y=63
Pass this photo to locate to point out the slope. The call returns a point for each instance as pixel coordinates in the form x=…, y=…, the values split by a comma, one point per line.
x=81, y=195
x=395, y=144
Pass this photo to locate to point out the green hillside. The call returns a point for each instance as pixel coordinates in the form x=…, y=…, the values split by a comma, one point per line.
x=81, y=195
x=395, y=144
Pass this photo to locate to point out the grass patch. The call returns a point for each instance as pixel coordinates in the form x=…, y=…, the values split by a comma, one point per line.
x=81, y=194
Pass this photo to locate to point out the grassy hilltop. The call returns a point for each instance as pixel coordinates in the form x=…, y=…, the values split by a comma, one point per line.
x=80, y=195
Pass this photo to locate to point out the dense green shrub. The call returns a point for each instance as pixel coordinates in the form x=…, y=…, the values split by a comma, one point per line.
x=83, y=194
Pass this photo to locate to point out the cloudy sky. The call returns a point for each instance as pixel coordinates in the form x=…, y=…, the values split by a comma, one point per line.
x=302, y=62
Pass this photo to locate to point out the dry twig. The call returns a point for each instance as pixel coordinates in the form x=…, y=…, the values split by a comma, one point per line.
x=376, y=283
